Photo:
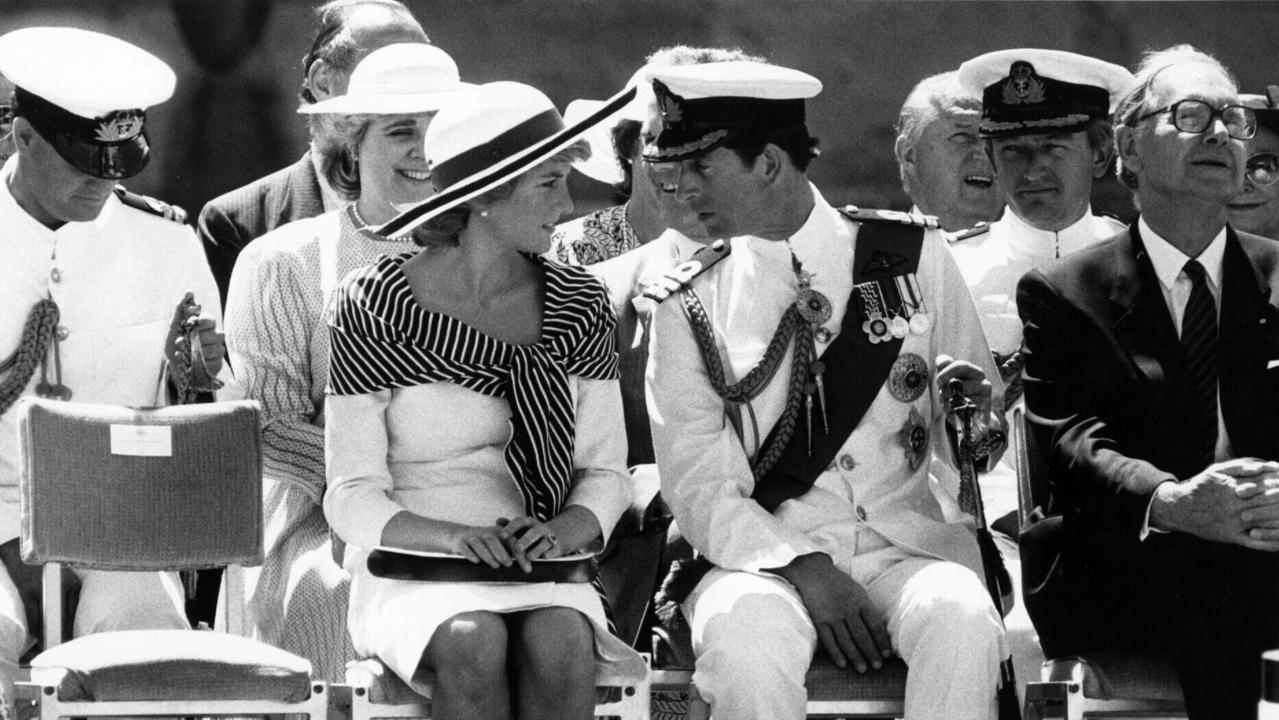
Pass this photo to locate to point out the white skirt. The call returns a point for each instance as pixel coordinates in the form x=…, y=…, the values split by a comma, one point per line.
x=394, y=620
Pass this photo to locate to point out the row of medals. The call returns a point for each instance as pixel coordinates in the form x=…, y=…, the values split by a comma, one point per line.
x=884, y=320
x=893, y=308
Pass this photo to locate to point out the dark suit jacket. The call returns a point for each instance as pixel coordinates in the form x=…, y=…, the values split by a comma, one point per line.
x=1105, y=390
x=229, y=222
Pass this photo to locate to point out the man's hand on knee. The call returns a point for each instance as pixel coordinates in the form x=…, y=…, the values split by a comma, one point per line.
x=1235, y=501
x=848, y=626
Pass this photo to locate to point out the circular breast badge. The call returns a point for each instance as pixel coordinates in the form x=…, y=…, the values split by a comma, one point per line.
x=908, y=377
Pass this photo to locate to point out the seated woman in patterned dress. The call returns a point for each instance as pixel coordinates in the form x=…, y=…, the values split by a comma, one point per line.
x=474, y=409
x=279, y=343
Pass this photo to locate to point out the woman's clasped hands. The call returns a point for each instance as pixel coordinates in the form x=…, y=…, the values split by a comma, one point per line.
x=519, y=540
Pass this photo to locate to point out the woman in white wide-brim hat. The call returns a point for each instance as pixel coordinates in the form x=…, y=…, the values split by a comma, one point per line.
x=473, y=409
x=279, y=344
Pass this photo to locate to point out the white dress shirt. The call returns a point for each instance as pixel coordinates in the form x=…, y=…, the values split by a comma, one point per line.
x=1175, y=286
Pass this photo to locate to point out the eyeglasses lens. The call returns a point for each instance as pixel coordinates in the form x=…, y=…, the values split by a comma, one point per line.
x=1194, y=116
x=1263, y=169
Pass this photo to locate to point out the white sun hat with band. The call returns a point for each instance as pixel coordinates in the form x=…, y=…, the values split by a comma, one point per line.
x=395, y=79
x=602, y=164
x=488, y=135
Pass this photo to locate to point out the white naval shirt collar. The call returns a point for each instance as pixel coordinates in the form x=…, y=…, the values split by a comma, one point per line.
x=1169, y=261
x=1026, y=239
x=806, y=242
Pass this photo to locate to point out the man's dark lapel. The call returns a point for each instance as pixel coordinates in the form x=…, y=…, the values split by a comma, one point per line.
x=1249, y=341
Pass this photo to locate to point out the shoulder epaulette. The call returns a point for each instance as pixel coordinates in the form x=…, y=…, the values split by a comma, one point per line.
x=918, y=219
x=678, y=277
x=977, y=230
x=151, y=206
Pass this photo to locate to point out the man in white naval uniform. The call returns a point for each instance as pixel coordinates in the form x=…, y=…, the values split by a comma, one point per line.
x=117, y=277
x=1045, y=118
x=839, y=543
x=1045, y=121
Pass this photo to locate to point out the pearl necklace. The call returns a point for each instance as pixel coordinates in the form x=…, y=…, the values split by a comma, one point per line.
x=360, y=224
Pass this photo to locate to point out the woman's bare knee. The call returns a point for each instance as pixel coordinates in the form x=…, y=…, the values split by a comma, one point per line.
x=554, y=640
x=469, y=646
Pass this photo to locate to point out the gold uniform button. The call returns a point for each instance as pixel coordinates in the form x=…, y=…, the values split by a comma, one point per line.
x=63, y=332
x=846, y=462
x=861, y=513
x=55, y=275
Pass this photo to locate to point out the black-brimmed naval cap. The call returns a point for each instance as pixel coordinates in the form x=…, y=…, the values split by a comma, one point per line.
x=1028, y=91
x=86, y=94
x=702, y=106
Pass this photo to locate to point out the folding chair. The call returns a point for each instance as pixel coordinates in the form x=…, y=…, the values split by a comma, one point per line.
x=1101, y=684
x=373, y=691
x=833, y=692
x=160, y=489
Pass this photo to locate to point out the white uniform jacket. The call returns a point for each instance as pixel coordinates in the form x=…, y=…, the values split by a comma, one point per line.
x=870, y=495
x=117, y=281
x=993, y=262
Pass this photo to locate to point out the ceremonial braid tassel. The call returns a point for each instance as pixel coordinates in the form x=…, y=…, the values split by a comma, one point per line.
x=815, y=309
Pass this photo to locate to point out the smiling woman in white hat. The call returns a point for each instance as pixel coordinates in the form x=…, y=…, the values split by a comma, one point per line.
x=278, y=291
x=473, y=409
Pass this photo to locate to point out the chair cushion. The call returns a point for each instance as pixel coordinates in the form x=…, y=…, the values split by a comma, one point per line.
x=155, y=665
x=826, y=681
x=1118, y=675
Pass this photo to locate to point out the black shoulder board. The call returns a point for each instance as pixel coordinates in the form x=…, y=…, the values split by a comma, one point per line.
x=151, y=205
x=977, y=230
x=678, y=277
x=918, y=219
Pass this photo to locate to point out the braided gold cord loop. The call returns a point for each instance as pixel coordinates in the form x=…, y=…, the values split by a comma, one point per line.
x=32, y=349
x=759, y=376
x=792, y=327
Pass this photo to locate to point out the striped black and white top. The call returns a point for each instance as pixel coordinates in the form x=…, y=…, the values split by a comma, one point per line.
x=381, y=339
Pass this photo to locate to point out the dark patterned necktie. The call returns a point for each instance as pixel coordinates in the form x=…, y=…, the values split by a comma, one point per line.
x=1199, y=346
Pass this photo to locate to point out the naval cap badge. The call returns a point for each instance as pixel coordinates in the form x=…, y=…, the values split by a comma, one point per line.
x=1023, y=86
x=119, y=126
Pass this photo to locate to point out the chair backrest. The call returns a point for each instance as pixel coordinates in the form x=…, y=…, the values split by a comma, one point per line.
x=1033, y=488
x=117, y=488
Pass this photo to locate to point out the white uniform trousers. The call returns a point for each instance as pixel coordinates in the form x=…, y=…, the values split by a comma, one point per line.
x=108, y=601
x=754, y=640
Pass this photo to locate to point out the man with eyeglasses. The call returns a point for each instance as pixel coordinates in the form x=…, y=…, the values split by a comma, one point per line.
x=1152, y=371
x=1256, y=208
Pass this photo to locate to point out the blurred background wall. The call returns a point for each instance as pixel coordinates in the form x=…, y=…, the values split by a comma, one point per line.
x=239, y=64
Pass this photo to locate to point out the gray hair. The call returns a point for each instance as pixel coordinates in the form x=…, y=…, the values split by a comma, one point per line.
x=930, y=98
x=1136, y=101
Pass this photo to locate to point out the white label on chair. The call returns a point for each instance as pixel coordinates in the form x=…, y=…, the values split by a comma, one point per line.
x=148, y=440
